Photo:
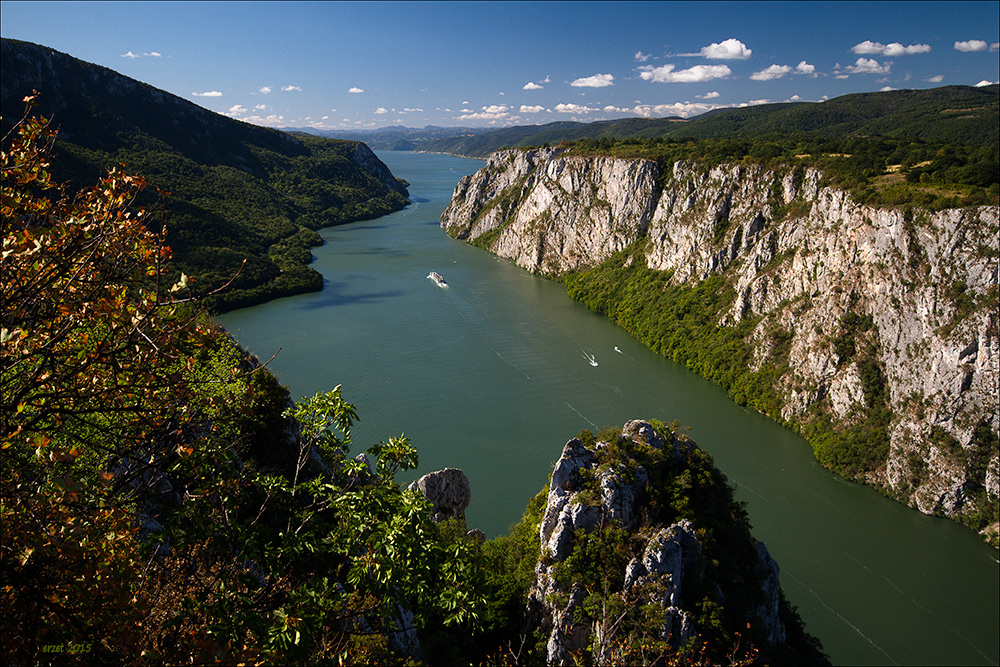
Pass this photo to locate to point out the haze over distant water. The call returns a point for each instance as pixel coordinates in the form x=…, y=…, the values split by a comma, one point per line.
x=494, y=374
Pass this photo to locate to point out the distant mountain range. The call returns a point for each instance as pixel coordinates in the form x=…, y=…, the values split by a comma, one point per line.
x=237, y=191
x=962, y=115
x=395, y=138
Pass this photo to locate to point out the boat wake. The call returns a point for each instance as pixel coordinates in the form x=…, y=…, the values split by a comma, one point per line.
x=590, y=358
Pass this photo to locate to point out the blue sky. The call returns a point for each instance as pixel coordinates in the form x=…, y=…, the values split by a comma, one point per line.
x=364, y=65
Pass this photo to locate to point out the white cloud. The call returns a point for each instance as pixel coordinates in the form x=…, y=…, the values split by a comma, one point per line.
x=532, y=109
x=265, y=90
x=894, y=49
x=868, y=66
x=708, y=96
x=210, y=93
x=972, y=45
x=772, y=72
x=288, y=89
x=778, y=71
x=937, y=78
x=642, y=57
x=380, y=110
x=682, y=109
x=730, y=49
x=496, y=108
x=546, y=80
x=572, y=108
x=133, y=56
x=260, y=107
x=596, y=81
x=272, y=120
x=666, y=73
x=355, y=89
x=886, y=89
x=984, y=82
x=411, y=110
x=531, y=85
x=236, y=108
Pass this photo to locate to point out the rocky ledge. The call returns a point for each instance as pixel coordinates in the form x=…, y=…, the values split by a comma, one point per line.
x=645, y=556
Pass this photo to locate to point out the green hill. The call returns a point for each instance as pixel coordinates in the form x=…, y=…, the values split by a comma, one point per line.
x=961, y=115
x=236, y=191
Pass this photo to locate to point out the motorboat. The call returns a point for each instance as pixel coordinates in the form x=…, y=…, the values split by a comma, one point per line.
x=436, y=277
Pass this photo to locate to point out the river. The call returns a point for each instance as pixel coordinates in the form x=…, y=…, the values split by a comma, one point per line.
x=495, y=372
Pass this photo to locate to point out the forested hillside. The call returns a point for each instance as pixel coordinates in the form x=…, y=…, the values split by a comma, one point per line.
x=961, y=115
x=233, y=191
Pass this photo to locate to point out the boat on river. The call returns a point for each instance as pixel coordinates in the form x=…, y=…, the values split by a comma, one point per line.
x=436, y=277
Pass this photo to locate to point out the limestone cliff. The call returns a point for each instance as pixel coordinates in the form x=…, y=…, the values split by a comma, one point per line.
x=645, y=556
x=916, y=290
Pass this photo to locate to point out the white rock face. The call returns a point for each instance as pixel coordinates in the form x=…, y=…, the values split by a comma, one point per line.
x=673, y=554
x=804, y=255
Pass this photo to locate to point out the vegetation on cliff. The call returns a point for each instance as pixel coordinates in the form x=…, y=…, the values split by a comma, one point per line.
x=162, y=500
x=233, y=191
x=933, y=149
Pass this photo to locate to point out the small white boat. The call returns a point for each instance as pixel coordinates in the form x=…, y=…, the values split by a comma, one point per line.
x=436, y=277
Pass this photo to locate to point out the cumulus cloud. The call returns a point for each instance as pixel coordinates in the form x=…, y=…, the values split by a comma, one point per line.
x=868, y=66
x=237, y=109
x=271, y=120
x=772, y=72
x=642, y=57
x=493, y=112
x=972, y=45
x=532, y=109
x=937, y=78
x=148, y=54
x=667, y=73
x=355, y=89
x=805, y=68
x=573, y=108
x=411, y=110
x=265, y=90
x=210, y=93
x=288, y=89
x=260, y=107
x=984, y=82
x=894, y=49
x=381, y=110
x=730, y=49
x=778, y=71
x=682, y=109
x=886, y=89
x=531, y=85
x=596, y=81
x=708, y=96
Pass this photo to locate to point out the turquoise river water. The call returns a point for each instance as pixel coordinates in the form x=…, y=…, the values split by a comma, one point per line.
x=494, y=373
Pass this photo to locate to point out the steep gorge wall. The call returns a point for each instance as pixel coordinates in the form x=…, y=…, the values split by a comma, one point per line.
x=803, y=259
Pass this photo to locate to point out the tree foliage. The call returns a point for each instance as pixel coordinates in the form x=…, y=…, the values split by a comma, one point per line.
x=162, y=500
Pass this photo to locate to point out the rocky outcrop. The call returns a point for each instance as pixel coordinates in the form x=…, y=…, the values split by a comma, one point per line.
x=802, y=259
x=650, y=554
x=448, y=491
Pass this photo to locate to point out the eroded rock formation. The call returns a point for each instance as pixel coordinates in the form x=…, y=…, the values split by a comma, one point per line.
x=802, y=259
